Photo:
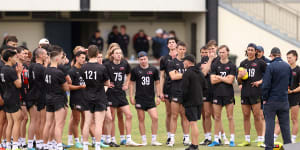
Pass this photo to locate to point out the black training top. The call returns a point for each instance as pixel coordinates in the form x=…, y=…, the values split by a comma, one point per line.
x=11, y=94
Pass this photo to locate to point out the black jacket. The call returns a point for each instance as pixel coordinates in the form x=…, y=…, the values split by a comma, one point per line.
x=141, y=44
x=96, y=41
x=193, y=84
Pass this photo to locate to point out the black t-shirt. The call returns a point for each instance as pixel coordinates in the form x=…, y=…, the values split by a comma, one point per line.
x=94, y=76
x=223, y=89
x=11, y=94
x=256, y=69
x=176, y=88
x=77, y=80
x=144, y=81
x=54, y=79
x=117, y=74
x=296, y=79
x=164, y=66
x=36, y=82
x=1, y=86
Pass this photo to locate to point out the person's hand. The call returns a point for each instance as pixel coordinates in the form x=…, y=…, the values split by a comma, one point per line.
x=125, y=87
x=83, y=86
x=241, y=73
x=157, y=101
x=149, y=38
x=264, y=102
x=290, y=91
x=256, y=84
x=19, y=68
x=132, y=101
x=1, y=101
x=211, y=55
x=111, y=85
x=162, y=98
x=240, y=86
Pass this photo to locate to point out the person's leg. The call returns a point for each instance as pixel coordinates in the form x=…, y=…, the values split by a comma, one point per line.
x=81, y=124
x=16, y=128
x=256, y=109
x=141, y=118
x=294, y=117
x=175, y=107
x=185, y=126
x=23, y=126
x=71, y=130
x=51, y=137
x=154, y=127
x=269, y=113
x=42, y=124
x=88, y=116
x=60, y=119
x=277, y=130
x=284, y=121
x=207, y=107
x=33, y=125
x=229, y=110
x=121, y=124
x=108, y=127
x=9, y=129
x=246, y=109
x=128, y=122
x=99, y=119
x=194, y=133
x=168, y=116
x=76, y=119
x=111, y=131
x=2, y=122
x=217, y=109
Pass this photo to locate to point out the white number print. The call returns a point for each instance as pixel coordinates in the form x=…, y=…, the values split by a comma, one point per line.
x=33, y=76
x=118, y=76
x=2, y=77
x=89, y=75
x=48, y=79
x=251, y=72
x=223, y=74
x=146, y=80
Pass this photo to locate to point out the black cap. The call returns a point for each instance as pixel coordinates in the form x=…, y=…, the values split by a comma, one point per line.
x=142, y=54
x=252, y=45
x=260, y=48
x=190, y=58
x=275, y=50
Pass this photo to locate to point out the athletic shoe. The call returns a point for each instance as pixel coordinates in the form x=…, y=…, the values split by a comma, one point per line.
x=232, y=144
x=261, y=144
x=132, y=143
x=245, y=143
x=78, y=145
x=191, y=148
x=113, y=144
x=30, y=148
x=220, y=141
x=205, y=142
x=66, y=146
x=171, y=143
x=226, y=142
x=214, y=143
x=103, y=145
x=123, y=142
x=256, y=140
x=186, y=142
x=155, y=143
x=168, y=141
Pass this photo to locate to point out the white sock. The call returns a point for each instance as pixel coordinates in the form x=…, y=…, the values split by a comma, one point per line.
x=76, y=140
x=45, y=146
x=94, y=140
x=8, y=145
x=224, y=136
x=153, y=138
x=60, y=146
x=49, y=144
x=217, y=138
x=97, y=146
x=81, y=139
x=113, y=139
x=30, y=143
x=209, y=136
x=260, y=138
x=231, y=137
x=85, y=145
x=15, y=145
x=220, y=134
x=128, y=137
x=122, y=137
x=294, y=137
x=103, y=138
x=168, y=134
x=172, y=136
x=144, y=138
x=186, y=137
x=247, y=138
x=70, y=139
x=108, y=138
x=275, y=137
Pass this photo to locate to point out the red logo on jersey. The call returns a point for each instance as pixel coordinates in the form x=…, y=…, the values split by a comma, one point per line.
x=227, y=68
x=149, y=72
x=122, y=68
x=253, y=64
x=294, y=73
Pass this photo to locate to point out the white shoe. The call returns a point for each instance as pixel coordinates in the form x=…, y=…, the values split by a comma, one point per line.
x=132, y=143
x=293, y=141
x=144, y=143
x=226, y=142
x=171, y=144
x=70, y=143
x=155, y=143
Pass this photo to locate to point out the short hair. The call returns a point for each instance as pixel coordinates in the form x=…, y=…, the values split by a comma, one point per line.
x=93, y=51
x=180, y=43
x=24, y=47
x=172, y=38
x=203, y=47
x=293, y=52
x=11, y=38
x=211, y=43
x=8, y=53
x=172, y=32
x=56, y=48
x=123, y=26
x=80, y=53
x=75, y=50
x=36, y=53
x=114, y=27
x=224, y=46
x=54, y=54
x=19, y=49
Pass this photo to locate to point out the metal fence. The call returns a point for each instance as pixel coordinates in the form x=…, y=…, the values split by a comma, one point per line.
x=271, y=12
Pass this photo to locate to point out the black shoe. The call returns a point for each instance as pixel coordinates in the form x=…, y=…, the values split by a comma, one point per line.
x=24, y=146
x=220, y=142
x=34, y=144
x=206, y=142
x=168, y=141
x=192, y=147
x=112, y=144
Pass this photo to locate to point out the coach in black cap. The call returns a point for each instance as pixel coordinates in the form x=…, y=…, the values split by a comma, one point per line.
x=276, y=80
x=193, y=85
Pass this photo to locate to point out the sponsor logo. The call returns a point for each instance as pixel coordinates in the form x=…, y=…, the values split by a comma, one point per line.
x=110, y=103
x=77, y=106
x=166, y=96
x=138, y=105
x=215, y=101
x=227, y=68
x=175, y=99
x=253, y=64
x=204, y=98
x=150, y=72
x=122, y=68
x=294, y=73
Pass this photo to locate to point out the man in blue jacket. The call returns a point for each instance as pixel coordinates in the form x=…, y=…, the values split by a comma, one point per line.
x=276, y=81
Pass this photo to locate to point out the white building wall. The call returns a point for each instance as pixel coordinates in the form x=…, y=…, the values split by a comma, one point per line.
x=237, y=33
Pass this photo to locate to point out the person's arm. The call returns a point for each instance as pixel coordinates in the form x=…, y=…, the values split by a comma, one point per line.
x=162, y=82
x=131, y=86
x=158, y=92
x=267, y=83
x=228, y=79
x=175, y=75
x=107, y=83
x=215, y=79
x=126, y=83
x=205, y=68
x=18, y=81
x=65, y=86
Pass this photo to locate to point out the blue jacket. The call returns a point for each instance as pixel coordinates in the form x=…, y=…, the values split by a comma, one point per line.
x=276, y=80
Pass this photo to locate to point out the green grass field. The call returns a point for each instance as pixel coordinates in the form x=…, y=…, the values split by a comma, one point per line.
x=239, y=131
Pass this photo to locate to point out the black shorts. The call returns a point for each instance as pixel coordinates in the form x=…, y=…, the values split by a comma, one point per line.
x=208, y=97
x=177, y=99
x=294, y=99
x=250, y=100
x=93, y=107
x=224, y=100
x=55, y=107
x=167, y=92
x=41, y=106
x=144, y=106
x=11, y=108
x=1, y=108
x=117, y=100
x=30, y=104
x=193, y=113
x=79, y=107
